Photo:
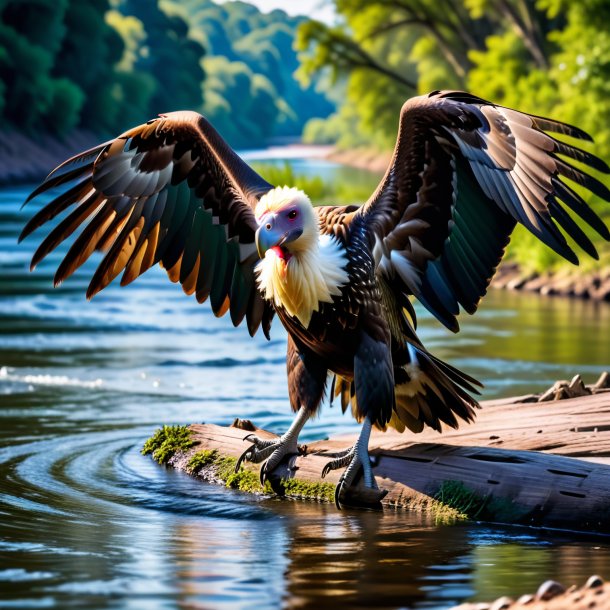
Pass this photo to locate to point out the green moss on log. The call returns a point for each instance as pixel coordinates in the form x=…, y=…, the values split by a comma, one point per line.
x=307, y=489
x=201, y=459
x=247, y=480
x=468, y=504
x=167, y=441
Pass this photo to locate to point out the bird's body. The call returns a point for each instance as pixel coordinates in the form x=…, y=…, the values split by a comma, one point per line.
x=463, y=174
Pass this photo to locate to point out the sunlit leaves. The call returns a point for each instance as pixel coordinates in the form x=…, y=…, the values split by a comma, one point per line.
x=548, y=57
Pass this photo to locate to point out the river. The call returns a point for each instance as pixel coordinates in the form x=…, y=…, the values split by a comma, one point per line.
x=87, y=522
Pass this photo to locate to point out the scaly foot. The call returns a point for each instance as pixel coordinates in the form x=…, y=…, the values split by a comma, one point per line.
x=274, y=450
x=342, y=459
x=358, y=463
x=271, y=450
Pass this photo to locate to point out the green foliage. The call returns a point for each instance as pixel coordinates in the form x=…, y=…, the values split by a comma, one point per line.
x=241, y=105
x=317, y=189
x=352, y=187
x=72, y=64
x=166, y=441
x=548, y=57
x=251, y=93
x=169, y=55
x=106, y=65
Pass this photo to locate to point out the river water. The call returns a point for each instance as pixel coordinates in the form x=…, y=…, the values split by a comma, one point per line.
x=87, y=522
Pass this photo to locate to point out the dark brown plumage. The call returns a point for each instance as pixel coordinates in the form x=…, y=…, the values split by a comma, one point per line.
x=463, y=173
x=171, y=192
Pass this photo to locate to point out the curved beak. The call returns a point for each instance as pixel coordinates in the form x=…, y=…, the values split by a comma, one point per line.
x=271, y=234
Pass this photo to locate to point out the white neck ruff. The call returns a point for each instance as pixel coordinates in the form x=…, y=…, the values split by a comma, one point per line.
x=309, y=278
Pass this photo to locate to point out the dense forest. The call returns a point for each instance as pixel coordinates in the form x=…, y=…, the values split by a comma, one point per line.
x=548, y=57
x=105, y=65
x=250, y=89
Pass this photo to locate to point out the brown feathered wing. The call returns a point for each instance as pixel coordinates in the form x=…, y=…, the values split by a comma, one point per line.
x=171, y=192
x=463, y=173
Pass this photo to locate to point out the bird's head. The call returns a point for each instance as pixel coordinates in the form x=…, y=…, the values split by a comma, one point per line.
x=287, y=222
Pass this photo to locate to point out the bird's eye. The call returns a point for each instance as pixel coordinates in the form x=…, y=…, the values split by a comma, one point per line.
x=292, y=214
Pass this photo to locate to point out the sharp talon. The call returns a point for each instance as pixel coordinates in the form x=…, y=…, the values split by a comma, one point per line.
x=248, y=436
x=263, y=474
x=338, y=493
x=325, y=471
x=241, y=458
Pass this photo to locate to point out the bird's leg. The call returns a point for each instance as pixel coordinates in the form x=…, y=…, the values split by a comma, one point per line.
x=274, y=450
x=357, y=459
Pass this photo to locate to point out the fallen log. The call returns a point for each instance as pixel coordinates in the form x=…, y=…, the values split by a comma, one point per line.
x=542, y=464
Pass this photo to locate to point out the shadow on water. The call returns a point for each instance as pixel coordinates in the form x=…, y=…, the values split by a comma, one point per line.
x=86, y=521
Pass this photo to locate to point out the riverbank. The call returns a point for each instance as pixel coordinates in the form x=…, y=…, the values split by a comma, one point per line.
x=361, y=158
x=569, y=282
x=25, y=159
x=551, y=595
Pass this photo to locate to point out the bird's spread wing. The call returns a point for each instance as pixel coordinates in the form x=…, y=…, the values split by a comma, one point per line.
x=463, y=173
x=171, y=192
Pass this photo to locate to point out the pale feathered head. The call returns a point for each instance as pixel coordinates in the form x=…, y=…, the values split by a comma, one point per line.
x=299, y=269
x=287, y=223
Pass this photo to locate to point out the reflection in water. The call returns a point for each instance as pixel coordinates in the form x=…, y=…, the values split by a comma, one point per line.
x=374, y=561
x=86, y=521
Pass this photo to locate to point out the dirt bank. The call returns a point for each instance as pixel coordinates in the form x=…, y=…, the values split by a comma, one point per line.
x=594, y=285
x=26, y=158
x=361, y=158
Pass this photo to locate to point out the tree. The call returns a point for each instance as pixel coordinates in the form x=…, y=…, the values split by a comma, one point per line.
x=548, y=57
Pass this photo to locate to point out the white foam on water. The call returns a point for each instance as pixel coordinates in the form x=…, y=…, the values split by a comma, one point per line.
x=7, y=374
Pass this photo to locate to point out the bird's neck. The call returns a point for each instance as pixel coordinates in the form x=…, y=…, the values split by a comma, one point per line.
x=307, y=279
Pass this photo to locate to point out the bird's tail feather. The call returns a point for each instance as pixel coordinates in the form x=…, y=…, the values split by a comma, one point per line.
x=428, y=392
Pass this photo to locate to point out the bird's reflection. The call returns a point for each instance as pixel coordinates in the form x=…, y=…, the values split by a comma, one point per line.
x=370, y=560
x=313, y=556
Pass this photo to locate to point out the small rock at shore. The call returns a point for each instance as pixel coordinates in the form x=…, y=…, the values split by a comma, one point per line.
x=563, y=389
x=603, y=383
x=549, y=589
x=594, y=582
x=552, y=595
x=502, y=603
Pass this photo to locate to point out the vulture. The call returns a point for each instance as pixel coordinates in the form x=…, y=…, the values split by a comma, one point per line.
x=463, y=173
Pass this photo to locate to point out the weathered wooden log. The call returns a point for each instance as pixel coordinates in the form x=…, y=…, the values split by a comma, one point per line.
x=539, y=464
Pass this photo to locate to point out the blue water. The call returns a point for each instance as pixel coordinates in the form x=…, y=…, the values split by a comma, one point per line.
x=87, y=522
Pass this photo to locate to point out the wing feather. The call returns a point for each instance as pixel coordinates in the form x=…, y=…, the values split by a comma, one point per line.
x=467, y=171
x=170, y=192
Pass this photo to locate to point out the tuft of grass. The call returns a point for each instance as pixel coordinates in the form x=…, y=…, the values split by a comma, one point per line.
x=350, y=186
x=306, y=489
x=166, y=441
x=201, y=459
x=454, y=496
x=284, y=174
